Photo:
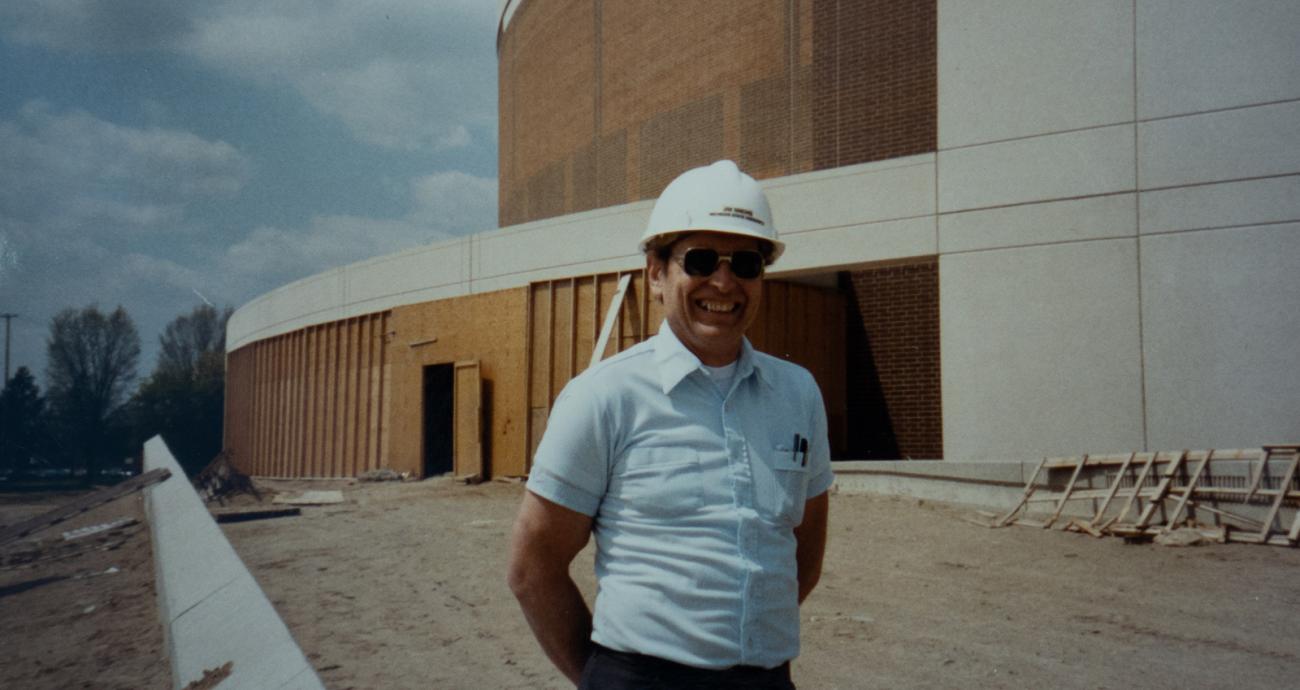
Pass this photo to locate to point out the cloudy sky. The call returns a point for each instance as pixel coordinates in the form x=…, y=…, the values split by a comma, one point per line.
x=155, y=153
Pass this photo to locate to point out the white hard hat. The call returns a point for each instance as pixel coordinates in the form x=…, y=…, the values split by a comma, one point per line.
x=714, y=198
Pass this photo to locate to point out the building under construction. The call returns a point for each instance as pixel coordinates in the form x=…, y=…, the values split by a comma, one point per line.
x=1015, y=229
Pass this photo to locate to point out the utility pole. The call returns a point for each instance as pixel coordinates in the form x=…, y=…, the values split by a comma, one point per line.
x=7, y=318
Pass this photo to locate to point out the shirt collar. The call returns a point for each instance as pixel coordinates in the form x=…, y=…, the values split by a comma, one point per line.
x=675, y=362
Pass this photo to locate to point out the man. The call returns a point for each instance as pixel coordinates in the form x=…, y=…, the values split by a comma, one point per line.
x=700, y=465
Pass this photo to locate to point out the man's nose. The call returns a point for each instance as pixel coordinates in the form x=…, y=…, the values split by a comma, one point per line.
x=723, y=279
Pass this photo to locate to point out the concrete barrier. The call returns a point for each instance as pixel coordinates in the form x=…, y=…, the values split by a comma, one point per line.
x=991, y=485
x=998, y=486
x=212, y=609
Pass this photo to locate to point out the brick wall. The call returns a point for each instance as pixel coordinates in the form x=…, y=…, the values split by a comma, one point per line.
x=875, y=74
x=894, y=406
x=603, y=102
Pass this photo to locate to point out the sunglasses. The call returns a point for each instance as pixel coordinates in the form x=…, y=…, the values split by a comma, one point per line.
x=746, y=264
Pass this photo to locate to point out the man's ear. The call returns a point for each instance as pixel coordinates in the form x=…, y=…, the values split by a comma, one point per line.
x=656, y=272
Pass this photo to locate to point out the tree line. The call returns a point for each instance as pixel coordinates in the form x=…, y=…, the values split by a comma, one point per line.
x=90, y=421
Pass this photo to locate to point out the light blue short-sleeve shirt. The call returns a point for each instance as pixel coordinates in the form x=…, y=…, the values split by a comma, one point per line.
x=695, y=493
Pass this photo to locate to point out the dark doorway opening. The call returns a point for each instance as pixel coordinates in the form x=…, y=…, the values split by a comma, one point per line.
x=893, y=376
x=439, y=403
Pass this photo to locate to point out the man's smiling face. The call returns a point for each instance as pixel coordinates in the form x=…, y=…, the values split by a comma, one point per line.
x=709, y=314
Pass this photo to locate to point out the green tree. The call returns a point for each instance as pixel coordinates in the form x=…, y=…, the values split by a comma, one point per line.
x=184, y=398
x=91, y=364
x=22, y=423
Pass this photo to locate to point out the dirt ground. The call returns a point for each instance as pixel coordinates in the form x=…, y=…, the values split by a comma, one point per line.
x=80, y=613
x=403, y=586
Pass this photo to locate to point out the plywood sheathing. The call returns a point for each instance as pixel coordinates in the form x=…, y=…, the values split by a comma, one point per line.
x=309, y=403
x=486, y=327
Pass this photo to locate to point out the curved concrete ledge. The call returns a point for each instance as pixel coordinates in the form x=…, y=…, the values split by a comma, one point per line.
x=830, y=219
x=213, y=611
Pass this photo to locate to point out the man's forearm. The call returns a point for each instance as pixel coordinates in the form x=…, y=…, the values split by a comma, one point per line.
x=811, y=539
x=560, y=621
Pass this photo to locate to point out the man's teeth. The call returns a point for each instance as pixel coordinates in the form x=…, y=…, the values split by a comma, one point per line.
x=719, y=307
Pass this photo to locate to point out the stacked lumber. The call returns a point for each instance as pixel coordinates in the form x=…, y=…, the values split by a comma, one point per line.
x=1147, y=495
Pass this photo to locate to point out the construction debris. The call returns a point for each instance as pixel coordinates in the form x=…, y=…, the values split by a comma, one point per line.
x=221, y=480
x=82, y=504
x=382, y=474
x=96, y=529
x=1158, y=497
x=259, y=514
x=212, y=677
x=310, y=498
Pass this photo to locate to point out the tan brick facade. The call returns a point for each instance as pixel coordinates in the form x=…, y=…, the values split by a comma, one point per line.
x=604, y=101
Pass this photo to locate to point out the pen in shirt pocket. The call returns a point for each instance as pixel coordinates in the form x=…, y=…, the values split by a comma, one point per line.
x=799, y=451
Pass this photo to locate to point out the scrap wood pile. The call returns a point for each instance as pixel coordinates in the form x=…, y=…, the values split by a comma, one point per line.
x=1145, y=496
x=221, y=480
x=80, y=505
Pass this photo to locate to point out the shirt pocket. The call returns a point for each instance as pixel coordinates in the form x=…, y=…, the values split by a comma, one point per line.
x=662, y=482
x=781, y=485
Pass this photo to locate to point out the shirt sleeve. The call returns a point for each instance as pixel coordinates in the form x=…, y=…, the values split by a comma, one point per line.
x=819, y=458
x=571, y=465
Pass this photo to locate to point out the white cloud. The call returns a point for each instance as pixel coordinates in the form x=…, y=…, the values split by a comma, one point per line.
x=454, y=201
x=387, y=103
x=442, y=205
x=60, y=167
x=87, y=207
x=97, y=25
x=398, y=73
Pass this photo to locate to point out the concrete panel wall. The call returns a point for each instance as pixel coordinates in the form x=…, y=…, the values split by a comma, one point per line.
x=1222, y=336
x=1057, y=166
x=1040, y=350
x=1016, y=68
x=1230, y=204
x=1202, y=55
x=1083, y=147
x=1072, y=220
x=1220, y=146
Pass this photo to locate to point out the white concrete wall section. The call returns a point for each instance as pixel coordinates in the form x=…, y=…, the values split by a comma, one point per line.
x=212, y=609
x=415, y=275
x=856, y=214
x=1040, y=351
x=1049, y=222
x=1231, y=204
x=1222, y=336
x=1056, y=166
x=576, y=244
x=1200, y=55
x=1220, y=146
x=1015, y=68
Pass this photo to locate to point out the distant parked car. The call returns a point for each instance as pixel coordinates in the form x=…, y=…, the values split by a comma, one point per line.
x=117, y=474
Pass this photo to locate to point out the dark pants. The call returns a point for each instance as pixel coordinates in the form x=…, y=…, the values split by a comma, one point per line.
x=607, y=669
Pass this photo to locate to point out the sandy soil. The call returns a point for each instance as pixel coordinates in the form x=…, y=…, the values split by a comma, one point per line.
x=82, y=613
x=402, y=586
